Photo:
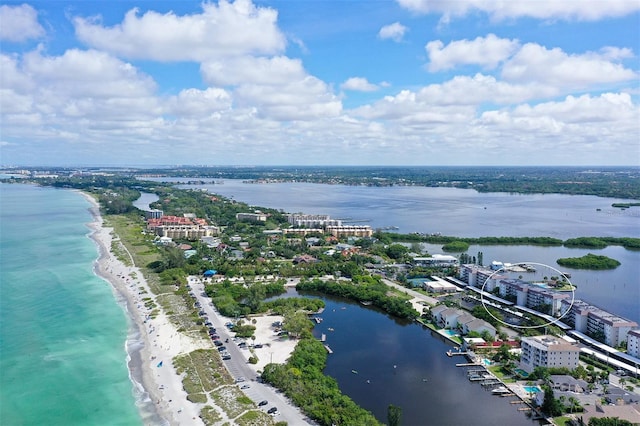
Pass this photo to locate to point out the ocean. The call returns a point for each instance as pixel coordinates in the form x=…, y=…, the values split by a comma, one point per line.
x=63, y=333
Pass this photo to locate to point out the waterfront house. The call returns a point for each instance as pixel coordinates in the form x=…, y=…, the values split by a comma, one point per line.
x=449, y=317
x=436, y=311
x=566, y=383
x=479, y=326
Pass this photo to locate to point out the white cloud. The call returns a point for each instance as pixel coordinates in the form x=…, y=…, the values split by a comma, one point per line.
x=393, y=32
x=220, y=30
x=590, y=10
x=358, y=84
x=304, y=99
x=19, y=23
x=535, y=63
x=277, y=70
x=487, y=52
x=87, y=73
x=198, y=103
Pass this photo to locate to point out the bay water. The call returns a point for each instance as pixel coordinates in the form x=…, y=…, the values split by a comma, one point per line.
x=63, y=334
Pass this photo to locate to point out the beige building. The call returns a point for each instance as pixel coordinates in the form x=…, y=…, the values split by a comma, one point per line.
x=547, y=351
x=350, y=231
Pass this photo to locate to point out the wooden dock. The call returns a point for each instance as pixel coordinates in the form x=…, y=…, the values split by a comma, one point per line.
x=468, y=364
x=452, y=353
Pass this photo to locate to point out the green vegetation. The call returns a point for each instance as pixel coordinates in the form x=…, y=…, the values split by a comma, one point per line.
x=457, y=246
x=586, y=242
x=302, y=380
x=243, y=291
x=625, y=205
x=589, y=261
x=609, y=421
x=364, y=289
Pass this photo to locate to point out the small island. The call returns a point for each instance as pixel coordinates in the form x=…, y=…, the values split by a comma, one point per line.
x=589, y=261
x=456, y=246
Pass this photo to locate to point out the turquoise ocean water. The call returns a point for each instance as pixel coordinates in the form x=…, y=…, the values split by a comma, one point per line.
x=62, y=332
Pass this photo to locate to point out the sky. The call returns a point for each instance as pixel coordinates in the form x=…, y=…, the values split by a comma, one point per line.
x=320, y=82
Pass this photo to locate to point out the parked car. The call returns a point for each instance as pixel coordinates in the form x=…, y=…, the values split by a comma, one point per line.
x=272, y=410
x=221, y=348
x=217, y=343
x=240, y=379
x=245, y=387
x=263, y=403
x=226, y=357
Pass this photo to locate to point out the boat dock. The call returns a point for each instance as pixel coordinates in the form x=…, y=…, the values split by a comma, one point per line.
x=328, y=349
x=452, y=353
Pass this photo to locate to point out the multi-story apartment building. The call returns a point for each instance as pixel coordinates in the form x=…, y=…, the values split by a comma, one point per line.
x=252, y=217
x=180, y=227
x=362, y=231
x=303, y=231
x=153, y=214
x=532, y=296
x=597, y=323
x=479, y=276
x=547, y=351
x=436, y=260
x=633, y=343
x=312, y=220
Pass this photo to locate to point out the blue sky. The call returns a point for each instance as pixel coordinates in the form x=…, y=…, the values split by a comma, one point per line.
x=297, y=82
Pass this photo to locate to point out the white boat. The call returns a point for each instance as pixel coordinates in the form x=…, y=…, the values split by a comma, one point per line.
x=500, y=390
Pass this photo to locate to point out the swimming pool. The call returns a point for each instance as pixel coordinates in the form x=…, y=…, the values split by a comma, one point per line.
x=521, y=372
x=450, y=332
x=532, y=389
x=486, y=362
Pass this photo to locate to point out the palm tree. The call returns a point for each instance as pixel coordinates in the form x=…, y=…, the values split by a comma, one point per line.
x=573, y=403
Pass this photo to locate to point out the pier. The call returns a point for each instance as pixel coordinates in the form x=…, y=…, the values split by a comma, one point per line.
x=328, y=349
x=452, y=353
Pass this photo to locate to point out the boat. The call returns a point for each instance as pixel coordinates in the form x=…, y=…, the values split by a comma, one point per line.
x=501, y=390
x=354, y=371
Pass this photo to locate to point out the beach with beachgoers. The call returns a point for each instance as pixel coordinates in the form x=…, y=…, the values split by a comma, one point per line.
x=155, y=341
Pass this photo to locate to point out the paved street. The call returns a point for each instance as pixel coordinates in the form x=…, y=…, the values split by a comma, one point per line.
x=239, y=368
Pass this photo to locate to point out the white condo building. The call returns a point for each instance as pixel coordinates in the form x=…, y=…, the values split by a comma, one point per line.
x=595, y=322
x=547, y=351
x=633, y=343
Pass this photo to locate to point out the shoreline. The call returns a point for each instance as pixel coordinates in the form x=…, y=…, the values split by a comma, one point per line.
x=151, y=343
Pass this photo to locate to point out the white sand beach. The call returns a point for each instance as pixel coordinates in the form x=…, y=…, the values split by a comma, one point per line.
x=162, y=389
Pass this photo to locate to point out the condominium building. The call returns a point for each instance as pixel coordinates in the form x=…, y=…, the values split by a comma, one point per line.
x=312, y=220
x=633, y=343
x=479, y=276
x=180, y=227
x=303, y=231
x=533, y=296
x=436, y=261
x=597, y=323
x=362, y=231
x=252, y=217
x=547, y=351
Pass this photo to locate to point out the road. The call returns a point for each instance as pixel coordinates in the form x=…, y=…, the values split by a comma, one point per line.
x=238, y=365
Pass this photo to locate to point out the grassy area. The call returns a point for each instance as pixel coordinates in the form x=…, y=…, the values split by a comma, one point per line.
x=561, y=421
x=210, y=416
x=502, y=374
x=232, y=401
